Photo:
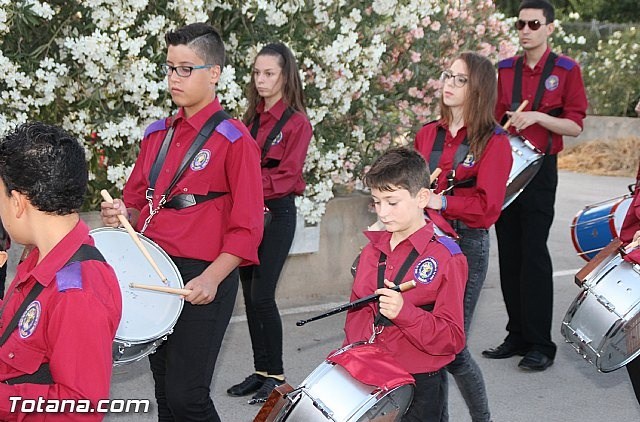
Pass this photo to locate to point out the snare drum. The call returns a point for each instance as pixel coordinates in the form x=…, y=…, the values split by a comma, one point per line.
x=526, y=163
x=602, y=323
x=597, y=225
x=148, y=317
x=353, y=384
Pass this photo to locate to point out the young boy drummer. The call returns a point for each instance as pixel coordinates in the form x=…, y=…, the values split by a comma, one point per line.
x=423, y=329
x=62, y=310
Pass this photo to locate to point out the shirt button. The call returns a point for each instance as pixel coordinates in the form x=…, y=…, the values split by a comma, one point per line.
x=177, y=144
x=11, y=355
x=185, y=189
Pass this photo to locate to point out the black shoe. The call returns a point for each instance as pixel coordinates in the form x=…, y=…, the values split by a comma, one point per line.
x=251, y=384
x=263, y=393
x=535, y=361
x=505, y=350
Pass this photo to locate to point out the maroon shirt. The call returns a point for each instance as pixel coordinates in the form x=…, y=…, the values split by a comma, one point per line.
x=289, y=148
x=70, y=325
x=228, y=162
x=563, y=89
x=477, y=206
x=421, y=341
x=631, y=222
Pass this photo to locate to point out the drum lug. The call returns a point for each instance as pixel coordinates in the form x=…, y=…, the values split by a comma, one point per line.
x=604, y=302
x=328, y=413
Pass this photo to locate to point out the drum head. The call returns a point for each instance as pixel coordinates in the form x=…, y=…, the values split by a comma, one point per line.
x=146, y=315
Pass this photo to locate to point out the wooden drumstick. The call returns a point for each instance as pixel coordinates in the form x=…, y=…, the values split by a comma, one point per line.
x=174, y=291
x=631, y=246
x=519, y=109
x=435, y=174
x=134, y=235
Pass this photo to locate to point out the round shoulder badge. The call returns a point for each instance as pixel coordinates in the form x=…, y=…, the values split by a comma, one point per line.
x=201, y=160
x=469, y=160
x=29, y=319
x=551, y=83
x=426, y=270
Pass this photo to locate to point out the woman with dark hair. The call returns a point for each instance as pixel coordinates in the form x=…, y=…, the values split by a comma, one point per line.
x=276, y=117
x=475, y=158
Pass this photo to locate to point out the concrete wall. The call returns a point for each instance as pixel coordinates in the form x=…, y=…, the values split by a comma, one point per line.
x=606, y=128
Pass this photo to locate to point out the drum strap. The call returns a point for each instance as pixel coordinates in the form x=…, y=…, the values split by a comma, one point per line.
x=516, y=96
x=461, y=153
x=272, y=135
x=196, y=146
x=43, y=374
x=382, y=267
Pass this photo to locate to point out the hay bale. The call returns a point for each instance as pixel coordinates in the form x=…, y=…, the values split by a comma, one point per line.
x=617, y=157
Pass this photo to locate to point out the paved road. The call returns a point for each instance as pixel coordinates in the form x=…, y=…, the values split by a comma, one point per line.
x=571, y=390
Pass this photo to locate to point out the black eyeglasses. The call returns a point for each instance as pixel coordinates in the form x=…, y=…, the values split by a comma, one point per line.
x=459, y=80
x=183, y=71
x=534, y=25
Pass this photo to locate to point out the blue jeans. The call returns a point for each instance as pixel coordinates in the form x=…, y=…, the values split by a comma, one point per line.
x=466, y=372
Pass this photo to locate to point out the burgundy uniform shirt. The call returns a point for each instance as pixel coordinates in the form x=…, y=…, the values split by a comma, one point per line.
x=228, y=162
x=477, y=206
x=289, y=149
x=421, y=341
x=70, y=325
x=563, y=89
x=631, y=222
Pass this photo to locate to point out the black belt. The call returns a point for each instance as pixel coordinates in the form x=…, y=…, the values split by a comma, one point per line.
x=187, y=200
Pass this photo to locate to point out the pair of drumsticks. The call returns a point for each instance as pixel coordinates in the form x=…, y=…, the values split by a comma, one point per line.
x=134, y=235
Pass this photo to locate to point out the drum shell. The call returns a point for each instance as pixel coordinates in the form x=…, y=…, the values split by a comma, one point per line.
x=596, y=225
x=526, y=163
x=602, y=322
x=330, y=393
x=148, y=317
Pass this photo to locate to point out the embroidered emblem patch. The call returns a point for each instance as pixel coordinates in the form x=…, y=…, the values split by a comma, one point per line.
x=201, y=160
x=426, y=270
x=552, y=83
x=278, y=139
x=29, y=319
x=469, y=161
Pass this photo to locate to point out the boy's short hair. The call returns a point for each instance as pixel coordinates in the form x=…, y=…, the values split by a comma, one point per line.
x=201, y=38
x=399, y=168
x=547, y=8
x=47, y=165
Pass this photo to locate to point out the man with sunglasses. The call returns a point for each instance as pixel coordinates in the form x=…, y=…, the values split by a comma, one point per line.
x=553, y=86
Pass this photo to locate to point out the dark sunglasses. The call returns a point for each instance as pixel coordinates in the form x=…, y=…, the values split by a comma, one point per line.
x=534, y=25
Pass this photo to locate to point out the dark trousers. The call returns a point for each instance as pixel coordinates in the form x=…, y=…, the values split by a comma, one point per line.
x=183, y=365
x=526, y=273
x=633, y=368
x=259, y=286
x=429, y=398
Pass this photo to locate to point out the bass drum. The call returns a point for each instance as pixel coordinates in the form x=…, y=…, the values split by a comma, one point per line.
x=602, y=323
x=148, y=317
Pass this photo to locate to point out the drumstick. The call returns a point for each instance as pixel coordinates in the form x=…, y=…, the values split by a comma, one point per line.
x=435, y=174
x=174, y=291
x=402, y=287
x=519, y=109
x=136, y=239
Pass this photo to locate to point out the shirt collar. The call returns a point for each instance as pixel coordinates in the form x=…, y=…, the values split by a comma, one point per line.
x=418, y=240
x=276, y=111
x=198, y=120
x=45, y=271
x=540, y=65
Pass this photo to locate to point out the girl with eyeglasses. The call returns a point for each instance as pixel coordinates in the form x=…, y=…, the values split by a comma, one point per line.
x=276, y=117
x=474, y=155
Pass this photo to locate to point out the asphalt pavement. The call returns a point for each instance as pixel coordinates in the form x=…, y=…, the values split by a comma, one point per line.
x=570, y=390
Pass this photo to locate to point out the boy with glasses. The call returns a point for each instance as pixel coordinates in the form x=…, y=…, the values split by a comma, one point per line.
x=196, y=190
x=557, y=106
